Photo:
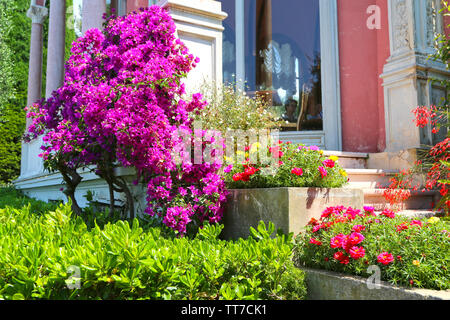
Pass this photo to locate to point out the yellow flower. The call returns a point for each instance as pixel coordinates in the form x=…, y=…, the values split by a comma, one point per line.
x=433, y=220
x=255, y=147
x=343, y=173
x=228, y=159
x=321, y=151
x=416, y=263
x=334, y=158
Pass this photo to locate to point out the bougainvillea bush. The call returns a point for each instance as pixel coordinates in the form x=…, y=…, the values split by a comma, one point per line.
x=293, y=165
x=409, y=252
x=123, y=103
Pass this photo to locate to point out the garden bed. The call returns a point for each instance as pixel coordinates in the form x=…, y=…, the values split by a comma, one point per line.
x=328, y=285
x=290, y=209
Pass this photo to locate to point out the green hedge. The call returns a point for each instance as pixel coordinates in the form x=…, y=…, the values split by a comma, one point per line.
x=42, y=253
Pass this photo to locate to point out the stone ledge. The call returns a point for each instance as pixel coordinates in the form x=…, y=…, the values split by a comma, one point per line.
x=329, y=285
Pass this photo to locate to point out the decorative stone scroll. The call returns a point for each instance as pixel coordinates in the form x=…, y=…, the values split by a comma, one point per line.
x=37, y=13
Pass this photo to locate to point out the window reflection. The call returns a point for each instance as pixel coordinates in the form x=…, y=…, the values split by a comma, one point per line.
x=282, y=57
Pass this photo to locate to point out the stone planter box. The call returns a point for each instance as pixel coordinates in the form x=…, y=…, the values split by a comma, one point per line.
x=327, y=285
x=288, y=208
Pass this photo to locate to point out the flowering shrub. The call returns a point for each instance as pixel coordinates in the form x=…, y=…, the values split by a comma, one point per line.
x=122, y=104
x=434, y=163
x=293, y=165
x=409, y=252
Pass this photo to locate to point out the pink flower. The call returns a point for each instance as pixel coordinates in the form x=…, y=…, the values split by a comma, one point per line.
x=370, y=211
x=355, y=238
x=323, y=171
x=357, y=252
x=337, y=241
x=385, y=258
x=416, y=223
x=388, y=213
x=297, y=171
x=228, y=169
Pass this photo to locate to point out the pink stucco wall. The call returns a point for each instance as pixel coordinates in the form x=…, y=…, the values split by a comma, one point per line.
x=363, y=53
x=133, y=5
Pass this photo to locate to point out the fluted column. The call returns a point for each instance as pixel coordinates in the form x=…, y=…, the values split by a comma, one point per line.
x=56, y=46
x=37, y=14
x=92, y=14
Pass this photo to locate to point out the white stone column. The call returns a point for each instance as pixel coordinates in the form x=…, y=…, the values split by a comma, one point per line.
x=199, y=26
x=92, y=14
x=37, y=14
x=56, y=46
x=406, y=75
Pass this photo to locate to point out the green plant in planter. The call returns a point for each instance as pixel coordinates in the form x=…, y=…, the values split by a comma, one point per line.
x=232, y=109
x=294, y=165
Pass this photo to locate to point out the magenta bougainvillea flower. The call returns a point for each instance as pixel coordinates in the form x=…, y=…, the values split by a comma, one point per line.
x=123, y=102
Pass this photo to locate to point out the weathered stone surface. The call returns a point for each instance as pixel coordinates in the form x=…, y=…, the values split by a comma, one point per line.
x=327, y=285
x=288, y=208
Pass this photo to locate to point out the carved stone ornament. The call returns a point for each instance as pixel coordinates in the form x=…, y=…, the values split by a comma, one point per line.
x=37, y=14
x=432, y=24
x=401, y=26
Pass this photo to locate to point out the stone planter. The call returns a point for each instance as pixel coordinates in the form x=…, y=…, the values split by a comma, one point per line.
x=290, y=209
x=327, y=285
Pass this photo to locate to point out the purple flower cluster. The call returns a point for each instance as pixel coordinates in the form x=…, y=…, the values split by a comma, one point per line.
x=121, y=101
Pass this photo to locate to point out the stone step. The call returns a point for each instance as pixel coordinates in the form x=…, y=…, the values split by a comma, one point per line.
x=349, y=160
x=369, y=178
x=418, y=213
x=418, y=200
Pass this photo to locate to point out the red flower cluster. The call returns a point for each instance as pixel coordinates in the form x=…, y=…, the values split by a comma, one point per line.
x=245, y=176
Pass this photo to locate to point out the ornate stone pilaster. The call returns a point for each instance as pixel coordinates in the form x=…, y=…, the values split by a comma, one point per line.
x=413, y=26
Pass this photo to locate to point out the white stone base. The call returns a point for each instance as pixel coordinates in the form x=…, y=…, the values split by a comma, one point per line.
x=47, y=187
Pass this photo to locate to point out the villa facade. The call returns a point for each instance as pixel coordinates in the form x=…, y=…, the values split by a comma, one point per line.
x=342, y=74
